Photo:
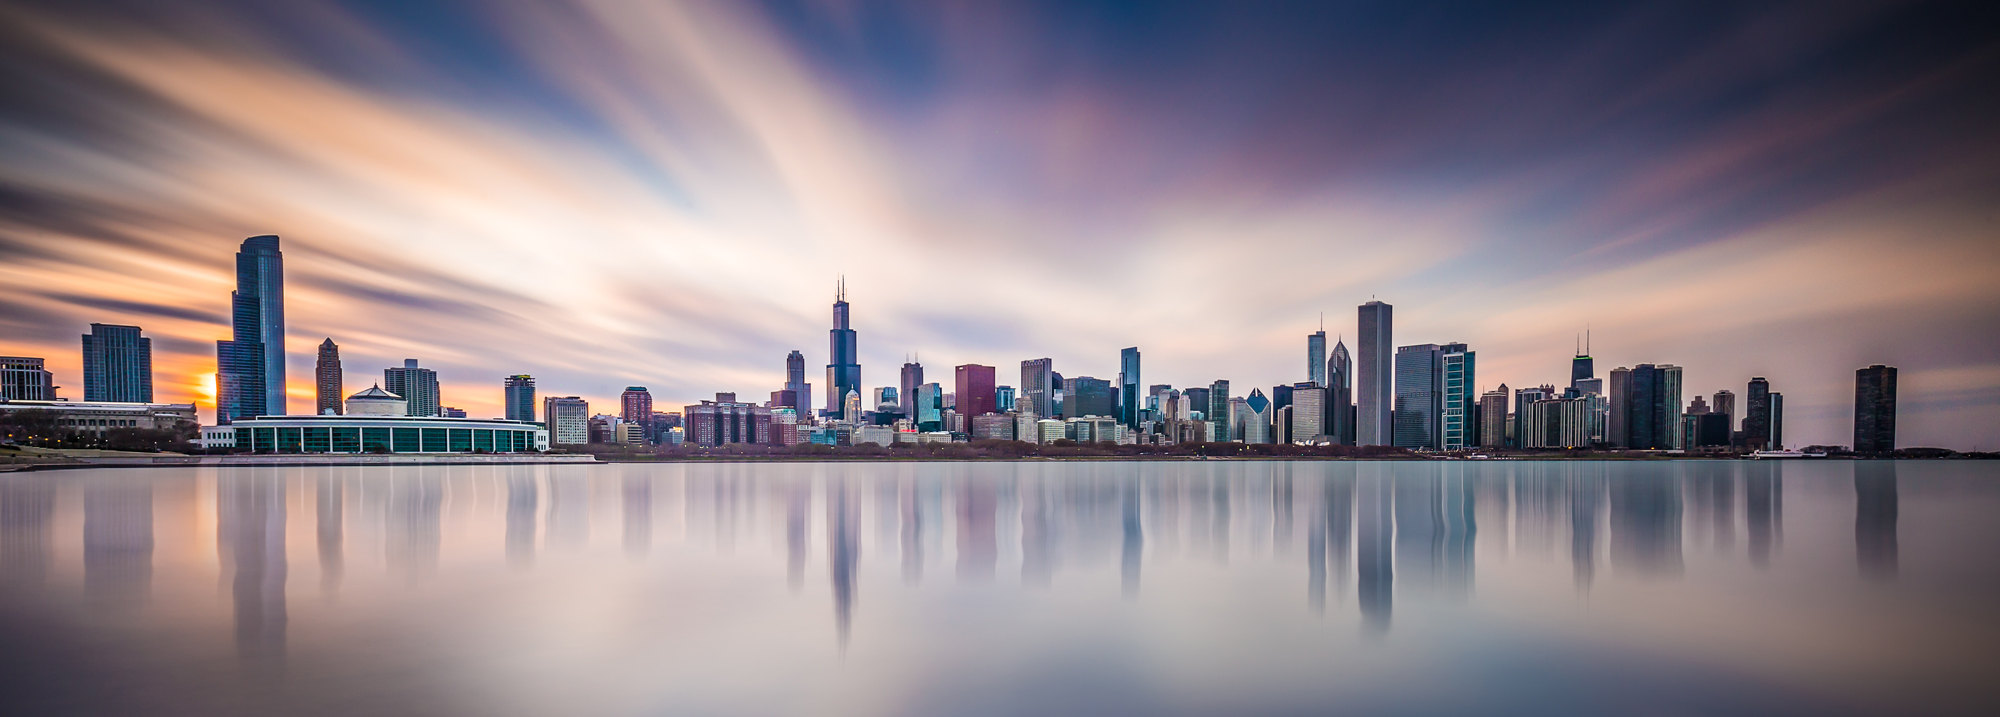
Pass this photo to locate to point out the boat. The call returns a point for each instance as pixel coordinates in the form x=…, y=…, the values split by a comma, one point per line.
x=1785, y=454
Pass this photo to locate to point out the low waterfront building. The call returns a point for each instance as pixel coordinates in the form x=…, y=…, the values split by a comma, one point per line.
x=107, y=415
x=376, y=434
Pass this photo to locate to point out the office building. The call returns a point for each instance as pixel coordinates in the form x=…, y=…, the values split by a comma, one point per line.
x=415, y=384
x=928, y=412
x=1316, y=357
x=1087, y=396
x=850, y=407
x=1458, y=415
x=519, y=392
x=1419, y=396
x=1038, y=386
x=1004, y=398
x=1777, y=421
x=635, y=405
x=250, y=367
x=906, y=389
x=1875, y=409
x=795, y=382
x=1724, y=403
x=1493, y=417
x=726, y=421
x=117, y=365
x=328, y=381
x=843, y=368
x=25, y=379
x=1256, y=418
x=1218, y=411
x=1373, y=377
x=1757, y=415
x=1309, y=411
x=1524, y=429
x=567, y=419
x=1651, y=407
x=1198, y=398
x=975, y=390
x=1568, y=421
x=993, y=426
x=1617, y=433
x=451, y=412
x=1583, y=369
x=1340, y=415
x=1128, y=388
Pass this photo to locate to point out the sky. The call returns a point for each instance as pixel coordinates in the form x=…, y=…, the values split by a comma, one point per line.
x=615, y=193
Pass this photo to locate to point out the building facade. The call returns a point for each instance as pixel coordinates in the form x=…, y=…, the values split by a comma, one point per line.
x=415, y=384
x=1129, y=404
x=635, y=405
x=1493, y=418
x=23, y=378
x=353, y=433
x=117, y=364
x=328, y=384
x=975, y=390
x=1038, y=385
x=1316, y=357
x=519, y=392
x=1308, y=423
x=1374, y=379
x=1458, y=415
x=1218, y=411
x=710, y=424
x=1419, y=396
x=250, y=366
x=795, y=381
x=1875, y=409
x=567, y=419
x=105, y=415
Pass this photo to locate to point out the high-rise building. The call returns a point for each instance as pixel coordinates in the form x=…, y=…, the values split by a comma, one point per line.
x=1419, y=396
x=25, y=379
x=1316, y=357
x=1525, y=432
x=1340, y=418
x=906, y=396
x=975, y=389
x=1777, y=421
x=1308, y=412
x=1757, y=415
x=1373, y=378
x=1088, y=396
x=519, y=392
x=1724, y=403
x=929, y=411
x=250, y=367
x=726, y=421
x=568, y=420
x=843, y=368
x=1198, y=399
x=1038, y=385
x=327, y=380
x=795, y=381
x=1004, y=398
x=1582, y=368
x=1128, y=388
x=1493, y=418
x=418, y=386
x=636, y=405
x=1875, y=409
x=1256, y=417
x=1458, y=415
x=1218, y=410
x=1651, y=407
x=117, y=364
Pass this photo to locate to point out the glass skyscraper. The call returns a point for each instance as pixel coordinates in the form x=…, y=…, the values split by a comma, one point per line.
x=250, y=367
x=1340, y=395
x=117, y=364
x=1038, y=386
x=1419, y=373
x=1129, y=404
x=843, y=368
x=520, y=395
x=1875, y=409
x=1316, y=357
x=1218, y=409
x=795, y=381
x=1372, y=376
x=1459, y=408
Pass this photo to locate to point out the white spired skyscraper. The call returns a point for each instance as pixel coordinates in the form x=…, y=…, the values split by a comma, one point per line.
x=1373, y=379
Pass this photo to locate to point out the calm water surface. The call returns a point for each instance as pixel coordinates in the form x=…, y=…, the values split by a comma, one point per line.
x=1005, y=588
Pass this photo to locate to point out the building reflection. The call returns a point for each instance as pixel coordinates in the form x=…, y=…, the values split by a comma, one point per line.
x=523, y=497
x=567, y=526
x=1762, y=505
x=117, y=541
x=978, y=543
x=1419, y=532
x=1586, y=498
x=27, y=510
x=1875, y=513
x=843, y=547
x=798, y=542
x=1712, y=495
x=1133, y=529
x=250, y=542
x=636, y=500
x=411, y=538
x=1037, y=538
x=1646, y=521
x=909, y=539
x=1374, y=546
x=329, y=504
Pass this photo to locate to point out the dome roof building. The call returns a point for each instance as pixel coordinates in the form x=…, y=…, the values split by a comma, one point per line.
x=376, y=402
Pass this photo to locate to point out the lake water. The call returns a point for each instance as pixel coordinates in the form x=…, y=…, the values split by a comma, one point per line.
x=1531, y=588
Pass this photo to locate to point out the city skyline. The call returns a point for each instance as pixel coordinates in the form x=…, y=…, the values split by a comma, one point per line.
x=392, y=184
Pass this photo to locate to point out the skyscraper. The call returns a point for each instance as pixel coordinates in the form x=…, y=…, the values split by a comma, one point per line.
x=1038, y=385
x=250, y=367
x=1458, y=414
x=519, y=392
x=24, y=379
x=418, y=386
x=1652, y=406
x=117, y=364
x=1372, y=376
x=975, y=390
x=1419, y=369
x=1316, y=357
x=1218, y=409
x=929, y=410
x=1619, y=428
x=1088, y=396
x=1308, y=412
x=1256, y=418
x=913, y=376
x=1757, y=415
x=636, y=405
x=1493, y=418
x=1724, y=403
x=843, y=368
x=327, y=388
x=1582, y=368
x=1875, y=409
x=1004, y=398
x=1340, y=396
x=568, y=420
x=1129, y=404
x=795, y=381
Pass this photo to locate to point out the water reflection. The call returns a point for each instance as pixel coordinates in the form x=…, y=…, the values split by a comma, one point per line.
x=1375, y=529
x=523, y=494
x=117, y=542
x=27, y=510
x=1875, y=512
x=250, y=544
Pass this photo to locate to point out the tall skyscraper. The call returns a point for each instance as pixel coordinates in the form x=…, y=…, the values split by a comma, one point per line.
x=418, y=386
x=975, y=390
x=1256, y=417
x=1316, y=357
x=24, y=379
x=1458, y=416
x=1373, y=379
x=635, y=405
x=1875, y=409
x=1582, y=368
x=1619, y=396
x=1129, y=404
x=1340, y=417
x=520, y=395
x=1218, y=409
x=1038, y=385
x=250, y=367
x=843, y=368
x=1417, y=396
x=1757, y=415
x=795, y=381
x=327, y=384
x=117, y=364
x=1652, y=406
x=1724, y=403
x=913, y=376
